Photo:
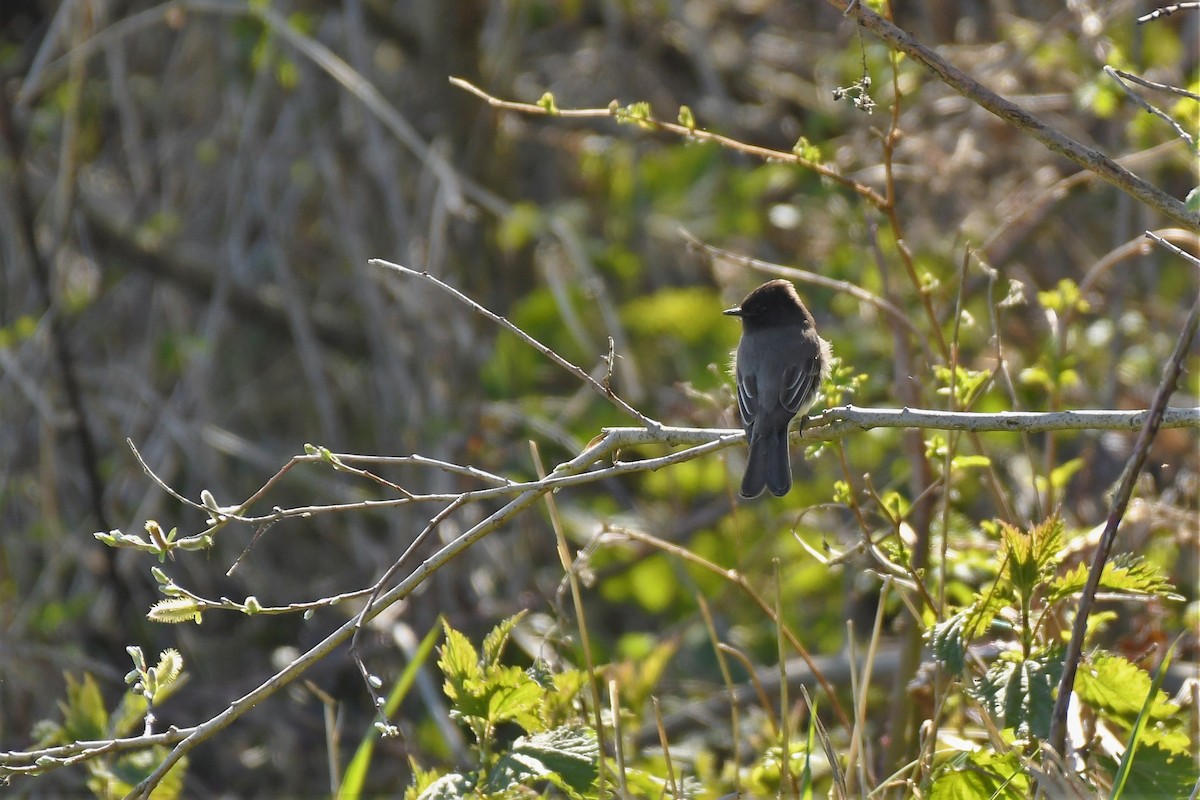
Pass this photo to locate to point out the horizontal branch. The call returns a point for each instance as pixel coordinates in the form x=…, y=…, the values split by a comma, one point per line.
x=839, y=421
x=647, y=120
x=581, y=469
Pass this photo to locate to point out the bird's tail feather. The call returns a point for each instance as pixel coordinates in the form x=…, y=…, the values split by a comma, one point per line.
x=768, y=466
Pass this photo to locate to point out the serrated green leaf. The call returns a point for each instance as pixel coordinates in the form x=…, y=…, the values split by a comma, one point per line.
x=1114, y=685
x=948, y=642
x=511, y=695
x=558, y=702
x=1160, y=773
x=459, y=664
x=982, y=775
x=1020, y=692
x=497, y=638
x=448, y=787
x=1129, y=573
x=1031, y=558
x=951, y=637
x=568, y=756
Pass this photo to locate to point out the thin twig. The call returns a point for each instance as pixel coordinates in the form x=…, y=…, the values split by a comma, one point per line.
x=1162, y=87
x=1141, y=450
x=367, y=612
x=1117, y=75
x=600, y=388
x=829, y=425
x=615, y=111
x=404, y=588
x=572, y=578
x=1092, y=160
x=815, y=279
x=1167, y=11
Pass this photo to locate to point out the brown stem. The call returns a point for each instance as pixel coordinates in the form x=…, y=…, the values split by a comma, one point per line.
x=1092, y=160
x=1141, y=449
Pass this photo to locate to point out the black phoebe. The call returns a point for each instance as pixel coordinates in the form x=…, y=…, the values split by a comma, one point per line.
x=780, y=364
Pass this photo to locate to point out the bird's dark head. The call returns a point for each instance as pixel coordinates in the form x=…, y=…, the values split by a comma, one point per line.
x=773, y=303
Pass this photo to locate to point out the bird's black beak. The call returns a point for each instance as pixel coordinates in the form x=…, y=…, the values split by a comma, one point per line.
x=736, y=311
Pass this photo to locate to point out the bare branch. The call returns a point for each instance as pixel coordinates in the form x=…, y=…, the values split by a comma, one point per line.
x=614, y=110
x=1137, y=459
x=600, y=388
x=1167, y=11
x=1091, y=160
x=1117, y=75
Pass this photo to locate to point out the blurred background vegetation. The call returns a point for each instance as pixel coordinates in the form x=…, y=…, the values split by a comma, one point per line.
x=188, y=202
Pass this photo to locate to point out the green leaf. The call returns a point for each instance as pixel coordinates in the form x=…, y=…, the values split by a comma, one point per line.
x=519, y=227
x=1036, y=375
x=686, y=118
x=1152, y=705
x=128, y=714
x=546, y=103
x=1021, y=691
x=130, y=770
x=896, y=504
x=970, y=462
x=950, y=638
x=982, y=775
x=568, y=757
x=949, y=644
x=639, y=114
x=1031, y=558
x=459, y=664
x=807, y=150
x=512, y=695
x=1127, y=573
x=1112, y=684
x=84, y=714
x=1066, y=296
x=1063, y=473
x=558, y=703
x=1157, y=772
x=653, y=582
x=967, y=383
x=497, y=638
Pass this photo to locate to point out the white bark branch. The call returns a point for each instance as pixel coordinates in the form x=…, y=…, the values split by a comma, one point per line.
x=837, y=422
